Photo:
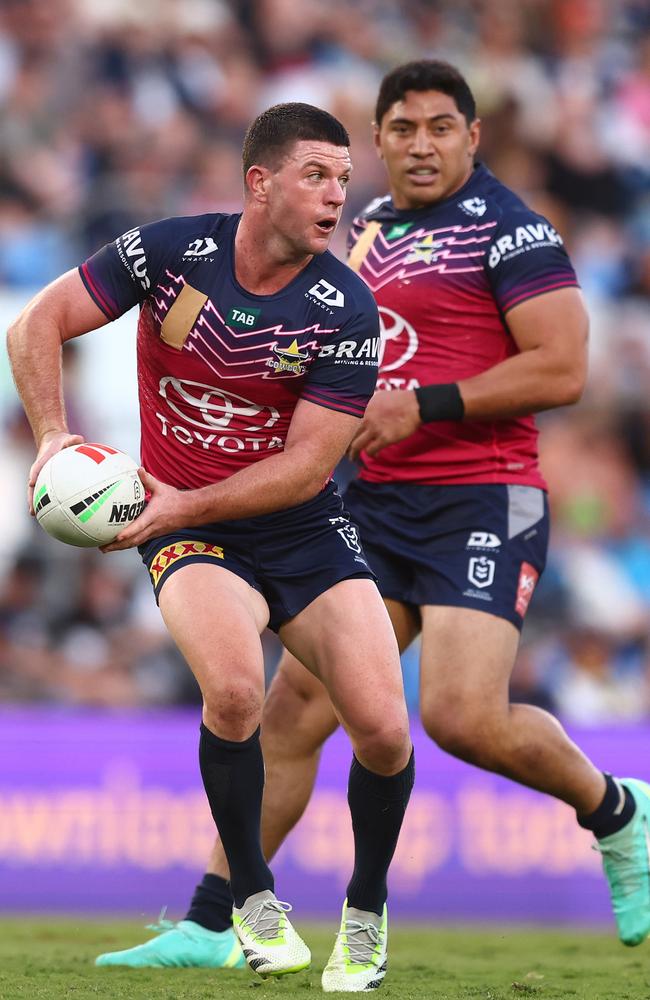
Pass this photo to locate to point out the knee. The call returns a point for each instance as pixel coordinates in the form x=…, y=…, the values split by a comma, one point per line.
x=232, y=710
x=472, y=735
x=384, y=749
x=298, y=716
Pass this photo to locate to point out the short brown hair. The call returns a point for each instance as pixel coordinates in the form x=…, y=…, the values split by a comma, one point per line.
x=274, y=132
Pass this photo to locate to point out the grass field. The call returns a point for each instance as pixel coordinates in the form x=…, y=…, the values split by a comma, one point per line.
x=52, y=959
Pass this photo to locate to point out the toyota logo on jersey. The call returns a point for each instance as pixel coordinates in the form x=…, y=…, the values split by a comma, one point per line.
x=399, y=341
x=210, y=408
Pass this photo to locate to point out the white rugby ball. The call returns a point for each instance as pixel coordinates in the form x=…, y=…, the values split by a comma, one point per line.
x=86, y=494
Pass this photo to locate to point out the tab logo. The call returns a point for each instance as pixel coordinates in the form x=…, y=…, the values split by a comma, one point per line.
x=327, y=293
x=398, y=231
x=243, y=317
x=201, y=248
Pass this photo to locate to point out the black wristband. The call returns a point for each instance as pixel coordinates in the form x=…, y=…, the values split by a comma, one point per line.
x=440, y=402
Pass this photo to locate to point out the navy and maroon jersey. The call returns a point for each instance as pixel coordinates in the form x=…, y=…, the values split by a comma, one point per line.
x=220, y=370
x=444, y=278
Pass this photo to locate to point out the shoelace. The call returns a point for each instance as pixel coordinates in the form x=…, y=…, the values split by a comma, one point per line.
x=628, y=878
x=162, y=925
x=264, y=917
x=360, y=951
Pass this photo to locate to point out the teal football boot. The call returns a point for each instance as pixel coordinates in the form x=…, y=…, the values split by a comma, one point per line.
x=626, y=861
x=184, y=945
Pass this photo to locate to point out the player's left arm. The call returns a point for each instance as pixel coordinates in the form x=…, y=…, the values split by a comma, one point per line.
x=316, y=441
x=550, y=331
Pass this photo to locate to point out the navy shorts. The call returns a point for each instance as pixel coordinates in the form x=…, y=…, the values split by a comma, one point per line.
x=290, y=556
x=476, y=546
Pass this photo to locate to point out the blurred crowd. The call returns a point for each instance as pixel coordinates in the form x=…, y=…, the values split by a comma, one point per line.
x=114, y=113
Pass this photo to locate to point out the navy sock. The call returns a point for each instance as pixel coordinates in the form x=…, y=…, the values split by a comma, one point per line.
x=211, y=905
x=233, y=776
x=614, y=812
x=377, y=805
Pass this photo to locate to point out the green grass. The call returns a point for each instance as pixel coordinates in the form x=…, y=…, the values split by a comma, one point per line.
x=52, y=959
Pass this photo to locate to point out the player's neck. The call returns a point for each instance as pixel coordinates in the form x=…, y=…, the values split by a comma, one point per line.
x=263, y=263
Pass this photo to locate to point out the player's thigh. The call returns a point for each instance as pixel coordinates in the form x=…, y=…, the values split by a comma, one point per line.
x=405, y=620
x=345, y=637
x=466, y=660
x=215, y=618
x=298, y=713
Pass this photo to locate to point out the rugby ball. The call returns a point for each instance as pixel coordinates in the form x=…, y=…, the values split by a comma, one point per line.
x=86, y=494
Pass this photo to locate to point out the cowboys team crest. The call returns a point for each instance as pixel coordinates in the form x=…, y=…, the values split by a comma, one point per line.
x=289, y=359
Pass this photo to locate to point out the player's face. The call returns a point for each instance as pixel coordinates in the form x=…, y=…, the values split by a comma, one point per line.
x=306, y=195
x=427, y=146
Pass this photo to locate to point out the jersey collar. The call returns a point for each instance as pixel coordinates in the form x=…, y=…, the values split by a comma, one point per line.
x=385, y=211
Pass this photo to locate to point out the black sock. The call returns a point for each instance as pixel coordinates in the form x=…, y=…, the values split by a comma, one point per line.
x=211, y=905
x=233, y=776
x=614, y=812
x=377, y=805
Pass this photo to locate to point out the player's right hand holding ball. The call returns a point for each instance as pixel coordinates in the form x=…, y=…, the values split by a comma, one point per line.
x=51, y=443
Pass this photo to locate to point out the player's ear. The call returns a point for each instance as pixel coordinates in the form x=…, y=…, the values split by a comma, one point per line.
x=376, y=138
x=257, y=182
x=474, y=135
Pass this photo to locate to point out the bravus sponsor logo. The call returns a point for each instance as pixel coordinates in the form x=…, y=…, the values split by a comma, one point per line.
x=353, y=349
x=131, y=251
x=532, y=236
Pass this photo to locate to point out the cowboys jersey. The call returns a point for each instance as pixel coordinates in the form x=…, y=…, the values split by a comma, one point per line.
x=220, y=370
x=444, y=278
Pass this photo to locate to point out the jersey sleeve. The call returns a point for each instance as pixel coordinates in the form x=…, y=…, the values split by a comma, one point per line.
x=526, y=258
x=344, y=373
x=121, y=274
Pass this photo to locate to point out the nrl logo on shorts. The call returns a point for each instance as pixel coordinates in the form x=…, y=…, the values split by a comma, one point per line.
x=481, y=571
x=290, y=359
x=348, y=533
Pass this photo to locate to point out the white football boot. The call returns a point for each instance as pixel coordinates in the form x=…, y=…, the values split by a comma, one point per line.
x=269, y=943
x=359, y=959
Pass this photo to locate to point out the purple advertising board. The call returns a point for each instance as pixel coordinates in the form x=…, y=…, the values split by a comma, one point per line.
x=105, y=813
